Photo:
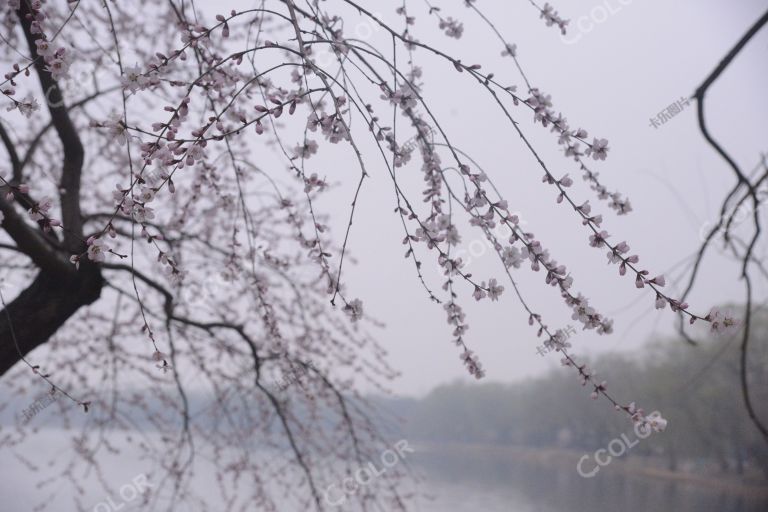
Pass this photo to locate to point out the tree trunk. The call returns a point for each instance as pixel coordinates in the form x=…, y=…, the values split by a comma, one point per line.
x=42, y=309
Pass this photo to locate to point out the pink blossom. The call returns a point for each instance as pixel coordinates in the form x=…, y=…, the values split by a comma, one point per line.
x=722, y=322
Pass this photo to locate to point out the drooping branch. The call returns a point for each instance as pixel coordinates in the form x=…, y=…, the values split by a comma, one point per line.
x=745, y=181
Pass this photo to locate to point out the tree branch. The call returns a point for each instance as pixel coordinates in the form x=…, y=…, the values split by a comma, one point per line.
x=70, y=141
x=15, y=163
x=32, y=242
x=742, y=180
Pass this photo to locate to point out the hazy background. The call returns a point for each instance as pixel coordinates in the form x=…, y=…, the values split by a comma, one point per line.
x=610, y=80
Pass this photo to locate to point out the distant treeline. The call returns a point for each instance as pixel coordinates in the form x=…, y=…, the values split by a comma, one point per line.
x=697, y=388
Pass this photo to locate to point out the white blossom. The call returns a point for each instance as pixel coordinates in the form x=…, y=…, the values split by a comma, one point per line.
x=97, y=249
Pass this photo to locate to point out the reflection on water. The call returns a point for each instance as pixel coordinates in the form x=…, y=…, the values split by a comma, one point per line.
x=491, y=480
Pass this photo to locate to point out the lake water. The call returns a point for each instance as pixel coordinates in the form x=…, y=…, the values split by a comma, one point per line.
x=485, y=482
x=448, y=480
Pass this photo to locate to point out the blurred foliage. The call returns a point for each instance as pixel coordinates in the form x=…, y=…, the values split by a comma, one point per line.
x=696, y=387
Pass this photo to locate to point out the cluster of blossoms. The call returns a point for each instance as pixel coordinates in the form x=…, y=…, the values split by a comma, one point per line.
x=435, y=231
x=354, y=309
x=494, y=290
x=437, y=228
x=332, y=126
x=56, y=58
x=134, y=80
x=97, y=250
x=451, y=27
x=26, y=106
x=456, y=318
x=305, y=149
x=557, y=341
x=474, y=367
x=551, y=17
x=314, y=182
x=544, y=113
x=116, y=129
x=38, y=211
x=404, y=98
x=616, y=255
x=402, y=154
x=653, y=421
x=532, y=250
x=722, y=322
x=135, y=204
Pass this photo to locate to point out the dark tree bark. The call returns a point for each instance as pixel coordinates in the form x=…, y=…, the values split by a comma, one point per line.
x=42, y=309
